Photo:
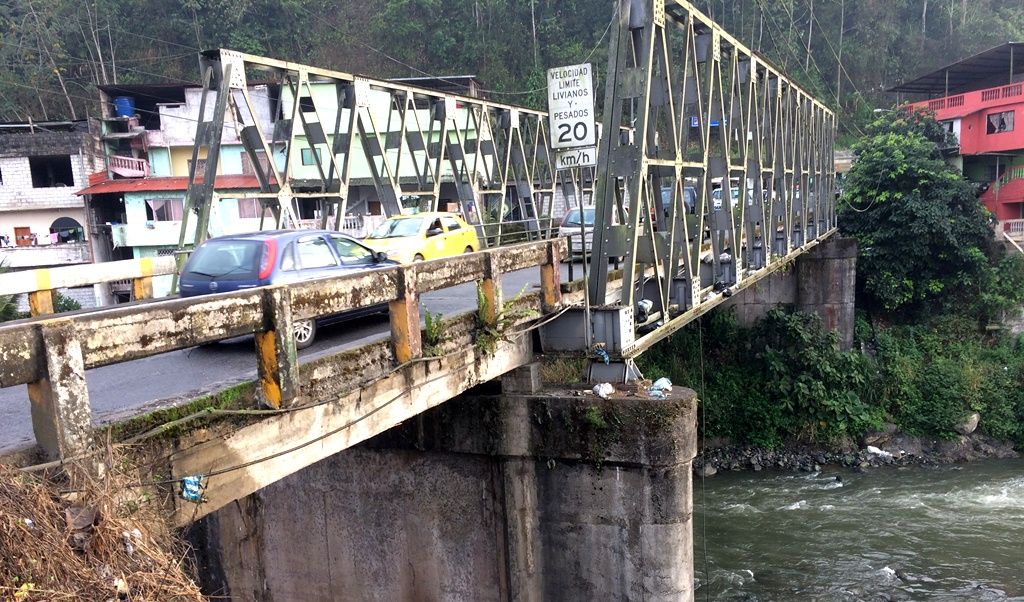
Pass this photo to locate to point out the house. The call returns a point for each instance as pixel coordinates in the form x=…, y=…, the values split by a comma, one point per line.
x=42, y=220
x=978, y=99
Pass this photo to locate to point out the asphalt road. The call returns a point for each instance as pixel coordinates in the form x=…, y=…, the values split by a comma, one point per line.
x=122, y=389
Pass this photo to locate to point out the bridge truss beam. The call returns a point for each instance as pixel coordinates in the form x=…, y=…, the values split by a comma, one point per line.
x=702, y=110
x=406, y=140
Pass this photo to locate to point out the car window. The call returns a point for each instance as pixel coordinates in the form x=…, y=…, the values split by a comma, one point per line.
x=451, y=224
x=288, y=258
x=351, y=252
x=395, y=228
x=573, y=218
x=226, y=259
x=313, y=253
x=435, y=226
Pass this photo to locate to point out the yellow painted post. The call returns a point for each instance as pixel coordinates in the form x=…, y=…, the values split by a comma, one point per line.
x=490, y=287
x=40, y=302
x=276, y=355
x=551, y=279
x=142, y=285
x=404, y=312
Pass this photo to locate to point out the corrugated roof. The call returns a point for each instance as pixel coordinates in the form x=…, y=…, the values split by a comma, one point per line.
x=235, y=182
x=969, y=73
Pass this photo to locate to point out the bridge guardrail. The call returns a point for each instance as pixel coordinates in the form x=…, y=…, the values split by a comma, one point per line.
x=40, y=283
x=51, y=354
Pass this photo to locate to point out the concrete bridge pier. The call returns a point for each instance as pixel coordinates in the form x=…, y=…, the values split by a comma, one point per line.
x=526, y=496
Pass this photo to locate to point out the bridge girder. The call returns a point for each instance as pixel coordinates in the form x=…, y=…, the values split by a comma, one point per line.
x=697, y=109
x=406, y=140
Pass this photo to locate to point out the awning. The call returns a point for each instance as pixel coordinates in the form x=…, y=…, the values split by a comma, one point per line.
x=180, y=183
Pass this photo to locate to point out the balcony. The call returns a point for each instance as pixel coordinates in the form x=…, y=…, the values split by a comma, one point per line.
x=951, y=107
x=45, y=255
x=129, y=167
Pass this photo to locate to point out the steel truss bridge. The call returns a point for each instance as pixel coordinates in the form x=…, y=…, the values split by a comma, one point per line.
x=688, y=109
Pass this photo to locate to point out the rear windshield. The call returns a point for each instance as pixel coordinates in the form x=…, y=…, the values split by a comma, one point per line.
x=573, y=217
x=226, y=260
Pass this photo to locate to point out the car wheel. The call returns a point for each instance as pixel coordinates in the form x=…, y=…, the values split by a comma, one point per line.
x=417, y=257
x=468, y=249
x=304, y=332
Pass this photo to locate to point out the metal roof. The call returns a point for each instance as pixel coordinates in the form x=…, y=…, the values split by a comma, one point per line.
x=968, y=74
x=175, y=183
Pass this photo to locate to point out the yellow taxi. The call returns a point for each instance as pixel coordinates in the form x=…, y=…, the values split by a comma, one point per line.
x=422, y=236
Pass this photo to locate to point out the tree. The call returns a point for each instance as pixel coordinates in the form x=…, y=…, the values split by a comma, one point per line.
x=921, y=229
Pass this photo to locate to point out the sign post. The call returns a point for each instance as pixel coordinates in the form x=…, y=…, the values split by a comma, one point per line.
x=571, y=114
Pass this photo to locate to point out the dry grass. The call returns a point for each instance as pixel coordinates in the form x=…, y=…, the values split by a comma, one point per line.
x=106, y=541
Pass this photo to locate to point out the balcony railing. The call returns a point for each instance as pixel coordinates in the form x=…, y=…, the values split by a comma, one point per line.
x=129, y=167
x=1013, y=229
x=973, y=99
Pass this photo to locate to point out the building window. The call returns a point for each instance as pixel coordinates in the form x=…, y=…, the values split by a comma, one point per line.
x=307, y=156
x=165, y=210
x=51, y=172
x=250, y=208
x=1000, y=122
x=247, y=167
x=200, y=167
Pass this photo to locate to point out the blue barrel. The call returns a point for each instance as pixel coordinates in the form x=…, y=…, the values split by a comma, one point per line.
x=124, y=106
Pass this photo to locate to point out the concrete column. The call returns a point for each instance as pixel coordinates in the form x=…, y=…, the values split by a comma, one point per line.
x=276, y=355
x=405, y=319
x=534, y=497
x=61, y=415
x=826, y=285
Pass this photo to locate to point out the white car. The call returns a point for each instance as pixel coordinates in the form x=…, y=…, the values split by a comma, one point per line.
x=571, y=227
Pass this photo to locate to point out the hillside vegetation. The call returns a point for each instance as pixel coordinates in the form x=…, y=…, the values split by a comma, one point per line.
x=52, y=52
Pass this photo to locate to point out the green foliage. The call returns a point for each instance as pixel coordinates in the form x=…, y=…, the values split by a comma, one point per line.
x=782, y=379
x=8, y=304
x=433, y=334
x=487, y=334
x=921, y=230
x=63, y=303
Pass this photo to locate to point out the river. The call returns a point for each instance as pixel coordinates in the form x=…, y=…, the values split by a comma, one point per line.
x=947, y=533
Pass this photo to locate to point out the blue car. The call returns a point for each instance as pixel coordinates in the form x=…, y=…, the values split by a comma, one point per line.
x=241, y=261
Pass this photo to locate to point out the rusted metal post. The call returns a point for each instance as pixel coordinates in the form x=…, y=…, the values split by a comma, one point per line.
x=277, y=358
x=40, y=302
x=490, y=289
x=550, y=278
x=61, y=415
x=405, y=318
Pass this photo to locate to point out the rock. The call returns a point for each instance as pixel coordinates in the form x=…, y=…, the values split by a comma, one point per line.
x=755, y=467
x=957, y=450
x=706, y=470
x=969, y=424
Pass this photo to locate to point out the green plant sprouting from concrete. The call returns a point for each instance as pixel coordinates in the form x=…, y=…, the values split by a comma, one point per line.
x=488, y=334
x=433, y=334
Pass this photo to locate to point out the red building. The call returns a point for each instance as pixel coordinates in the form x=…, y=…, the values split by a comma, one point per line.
x=979, y=100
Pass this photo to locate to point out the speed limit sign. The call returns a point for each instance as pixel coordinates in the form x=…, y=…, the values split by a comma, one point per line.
x=571, y=106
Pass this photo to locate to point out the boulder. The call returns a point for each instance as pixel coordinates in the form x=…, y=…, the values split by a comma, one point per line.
x=967, y=426
x=706, y=470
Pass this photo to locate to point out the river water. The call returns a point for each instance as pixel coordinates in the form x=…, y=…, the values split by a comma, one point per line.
x=947, y=533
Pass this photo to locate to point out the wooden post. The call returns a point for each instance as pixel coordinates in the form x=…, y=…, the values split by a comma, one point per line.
x=276, y=355
x=405, y=318
x=490, y=286
x=61, y=415
x=551, y=278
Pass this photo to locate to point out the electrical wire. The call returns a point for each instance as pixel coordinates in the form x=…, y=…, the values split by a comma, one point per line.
x=703, y=451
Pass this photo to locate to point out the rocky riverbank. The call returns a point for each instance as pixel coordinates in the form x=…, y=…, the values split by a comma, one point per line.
x=888, y=447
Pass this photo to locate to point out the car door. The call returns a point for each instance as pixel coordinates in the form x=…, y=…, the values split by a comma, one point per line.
x=314, y=257
x=352, y=256
x=434, y=244
x=456, y=239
